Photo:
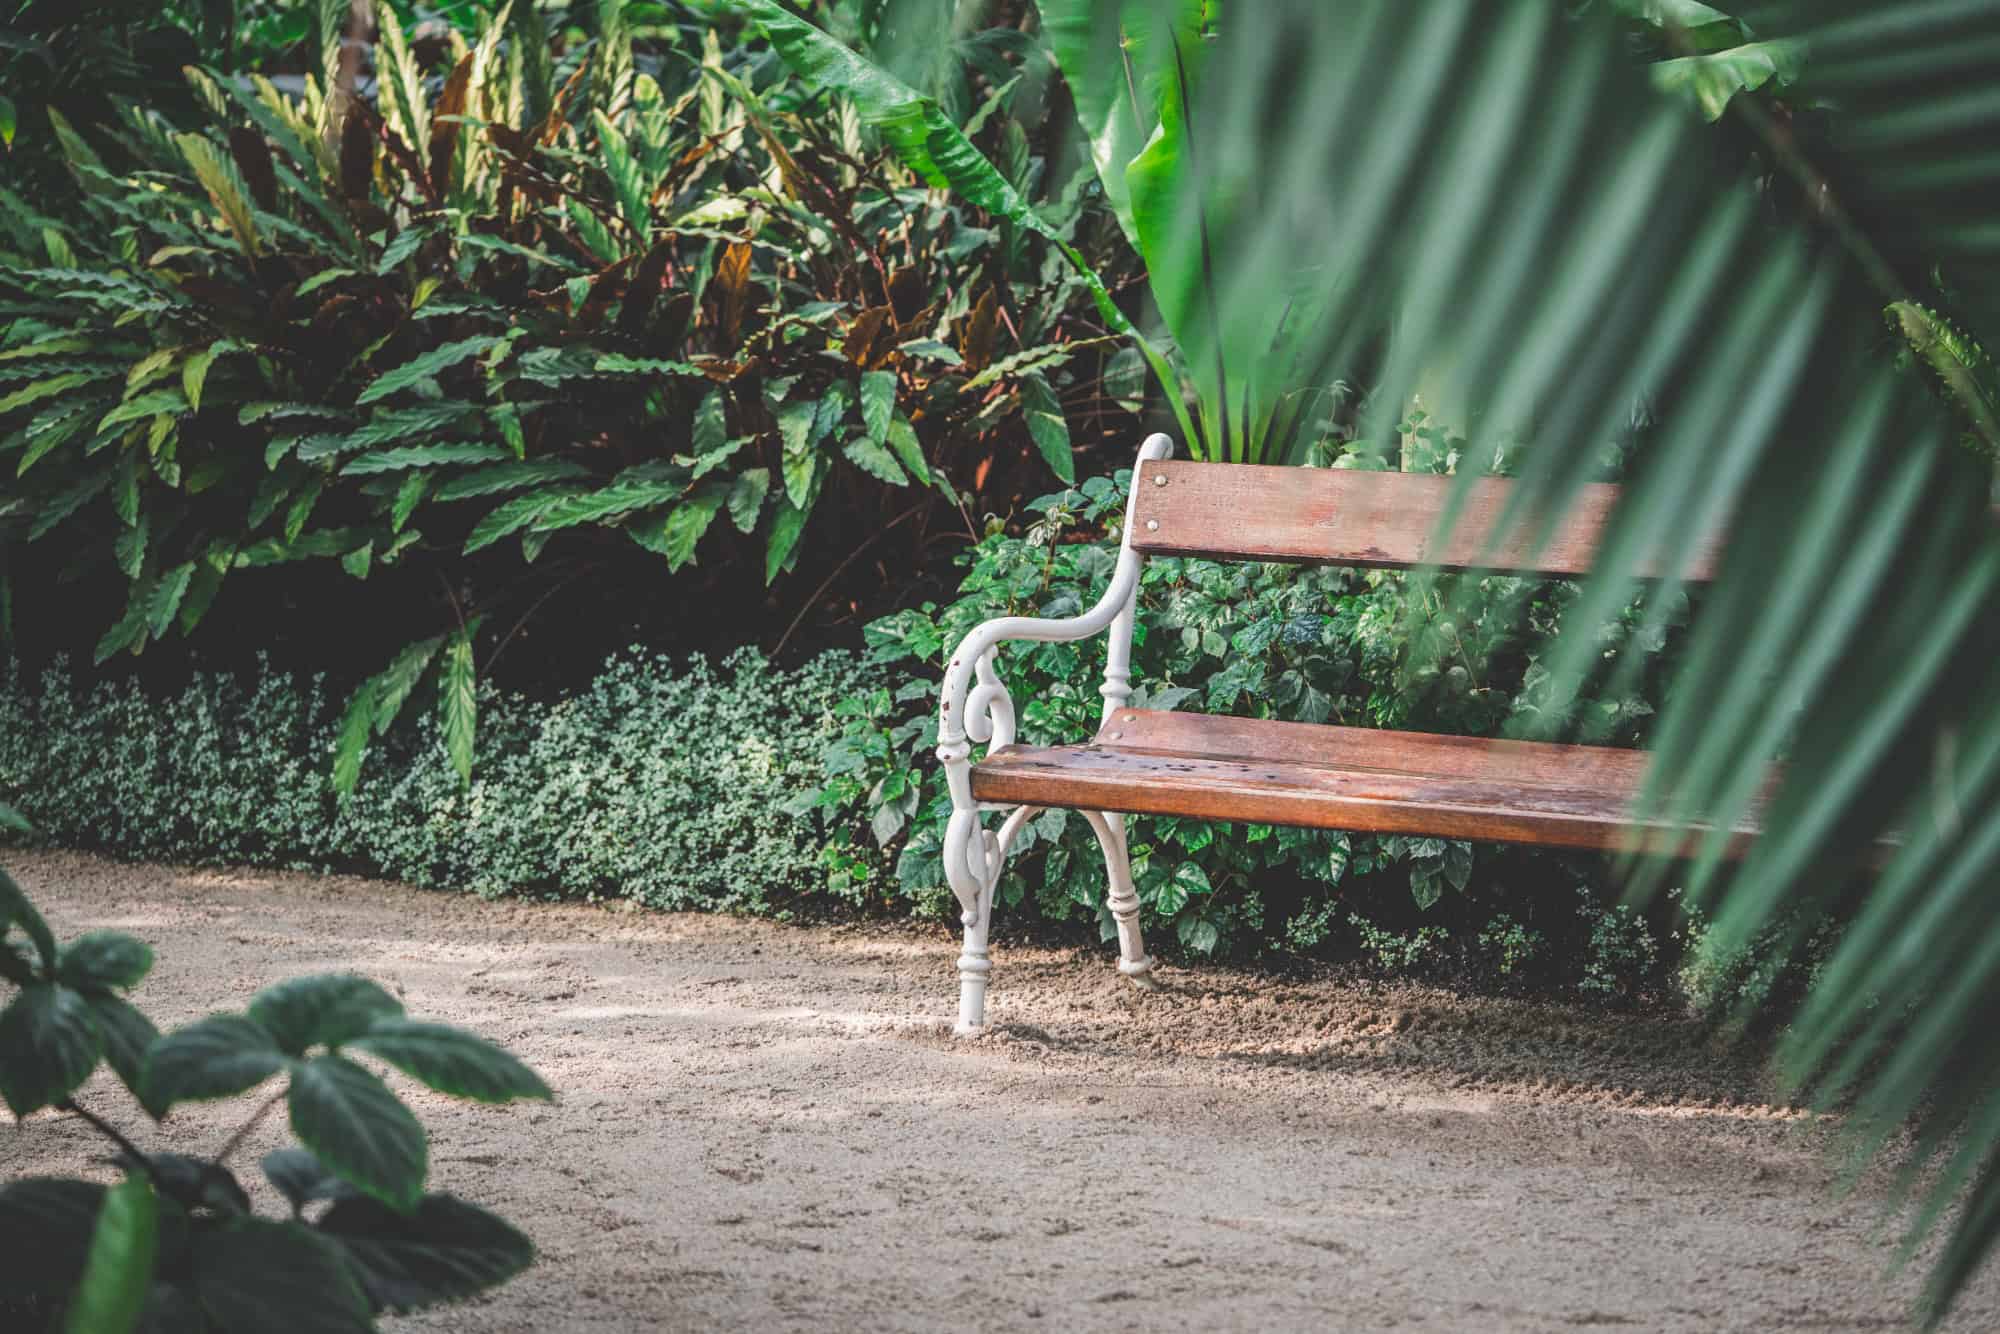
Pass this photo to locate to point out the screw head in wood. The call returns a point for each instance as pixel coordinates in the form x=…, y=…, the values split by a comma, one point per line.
x=1159, y=479
x=1113, y=736
x=1152, y=525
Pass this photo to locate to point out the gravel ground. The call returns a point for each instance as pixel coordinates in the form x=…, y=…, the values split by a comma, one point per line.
x=767, y=1127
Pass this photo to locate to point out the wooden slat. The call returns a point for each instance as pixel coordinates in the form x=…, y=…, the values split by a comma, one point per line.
x=1357, y=779
x=1382, y=519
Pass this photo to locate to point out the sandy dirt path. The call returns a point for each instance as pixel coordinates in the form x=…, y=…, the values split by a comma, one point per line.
x=769, y=1128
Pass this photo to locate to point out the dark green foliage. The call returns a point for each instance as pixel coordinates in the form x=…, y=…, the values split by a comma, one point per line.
x=670, y=316
x=175, y=1246
x=660, y=782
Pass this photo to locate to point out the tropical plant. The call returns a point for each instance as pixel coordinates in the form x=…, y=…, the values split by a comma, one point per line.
x=666, y=314
x=176, y=1244
x=1495, y=207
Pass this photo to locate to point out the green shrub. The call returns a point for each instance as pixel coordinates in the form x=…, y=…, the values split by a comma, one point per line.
x=567, y=313
x=659, y=782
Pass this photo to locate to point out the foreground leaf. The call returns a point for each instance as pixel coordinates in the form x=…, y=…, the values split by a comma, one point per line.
x=118, y=1274
x=217, y=1057
x=446, y=1251
x=359, y=1129
x=256, y=1277
x=452, y=1061
x=49, y=1044
x=326, y=1009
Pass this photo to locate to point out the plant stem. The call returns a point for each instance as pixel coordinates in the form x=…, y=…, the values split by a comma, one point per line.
x=837, y=570
x=116, y=1136
x=242, y=1132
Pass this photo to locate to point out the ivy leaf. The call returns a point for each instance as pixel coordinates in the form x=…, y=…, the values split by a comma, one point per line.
x=1458, y=864
x=359, y=1129
x=1199, y=934
x=1426, y=884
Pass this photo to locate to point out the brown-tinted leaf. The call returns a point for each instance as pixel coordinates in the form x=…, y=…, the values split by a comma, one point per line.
x=552, y=124
x=397, y=149
x=977, y=330
x=444, y=125
x=871, y=338
x=732, y=279
x=357, y=157
x=644, y=288
x=253, y=160
x=670, y=184
x=907, y=289
x=672, y=320
x=605, y=287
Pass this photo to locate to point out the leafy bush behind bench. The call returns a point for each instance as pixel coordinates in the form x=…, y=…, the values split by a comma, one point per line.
x=660, y=782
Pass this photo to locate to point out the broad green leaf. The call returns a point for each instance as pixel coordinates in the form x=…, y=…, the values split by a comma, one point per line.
x=458, y=703
x=128, y=1038
x=359, y=1129
x=875, y=460
x=16, y=910
x=709, y=429
x=689, y=520
x=903, y=440
x=218, y=176
x=425, y=367
x=515, y=515
x=424, y=456
x=49, y=1044
x=1718, y=76
x=249, y=1273
x=1043, y=412
x=444, y=1251
x=746, y=498
x=780, y=547
x=325, y=1009
x=621, y=496
x=878, y=404
x=217, y=1057
x=118, y=1273
x=302, y=1179
x=46, y=1226
x=507, y=477
x=104, y=959
x=451, y=1061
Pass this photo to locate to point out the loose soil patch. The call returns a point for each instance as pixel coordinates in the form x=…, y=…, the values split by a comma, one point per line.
x=764, y=1127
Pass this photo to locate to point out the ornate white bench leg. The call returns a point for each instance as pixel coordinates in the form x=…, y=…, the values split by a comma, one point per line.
x=1133, y=961
x=973, y=860
x=973, y=706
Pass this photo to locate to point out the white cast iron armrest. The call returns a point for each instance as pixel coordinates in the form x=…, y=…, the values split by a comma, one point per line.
x=984, y=712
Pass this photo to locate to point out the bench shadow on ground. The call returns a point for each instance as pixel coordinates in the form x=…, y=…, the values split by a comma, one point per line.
x=1637, y=1059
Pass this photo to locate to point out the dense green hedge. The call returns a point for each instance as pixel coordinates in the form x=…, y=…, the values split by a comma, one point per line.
x=661, y=782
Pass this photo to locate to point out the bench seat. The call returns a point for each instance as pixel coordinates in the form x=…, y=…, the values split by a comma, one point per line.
x=1209, y=767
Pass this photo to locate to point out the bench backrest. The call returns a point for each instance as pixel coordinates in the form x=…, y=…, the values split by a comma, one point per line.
x=1389, y=520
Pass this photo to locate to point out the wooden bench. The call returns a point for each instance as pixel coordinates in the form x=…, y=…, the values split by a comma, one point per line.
x=1318, y=776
